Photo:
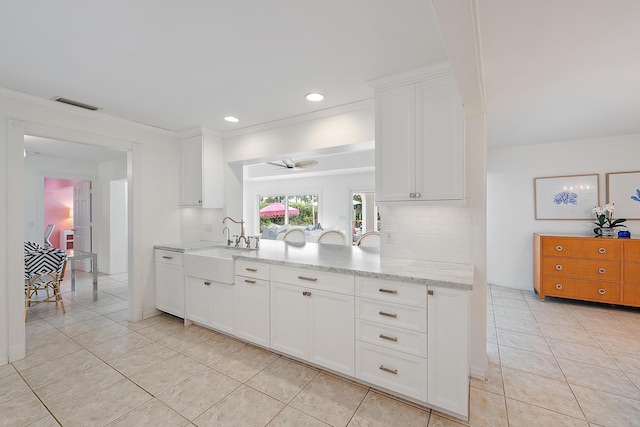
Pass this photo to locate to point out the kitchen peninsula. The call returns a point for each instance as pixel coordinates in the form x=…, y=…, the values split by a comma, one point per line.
x=397, y=325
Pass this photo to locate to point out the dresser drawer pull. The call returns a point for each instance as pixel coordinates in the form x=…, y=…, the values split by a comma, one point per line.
x=602, y=270
x=309, y=279
x=602, y=250
x=167, y=257
x=558, y=286
x=306, y=293
x=207, y=283
x=558, y=267
x=558, y=248
x=383, y=313
x=601, y=291
x=388, y=291
x=253, y=282
x=385, y=337
x=253, y=270
x=391, y=371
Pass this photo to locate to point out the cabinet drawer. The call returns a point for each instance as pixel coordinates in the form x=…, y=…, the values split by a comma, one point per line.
x=595, y=248
x=631, y=250
x=400, y=316
x=313, y=279
x=582, y=289
x=398, y=292
x=631, y=294
x=393, y=370
x=582, y=268
x=168, y=257
x=631, y=272
x=257, y=270
x=396, y=338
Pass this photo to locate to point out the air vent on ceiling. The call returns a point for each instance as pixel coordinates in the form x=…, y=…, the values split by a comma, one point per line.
x=75, y=103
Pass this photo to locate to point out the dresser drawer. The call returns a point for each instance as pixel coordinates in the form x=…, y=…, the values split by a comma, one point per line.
x=631, y=250
x=582, y=289
x=631, y=272
x=168, y=257
x=393, y=370
x=397, y=315
x=592, y=248
x=631, y=294
x=399, y=339
x=398, y=292
x=582, y=268
x=333, y=282
x=256, y=270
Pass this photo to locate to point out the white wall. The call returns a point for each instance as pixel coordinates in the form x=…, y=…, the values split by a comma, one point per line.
x=112, y=232
x=118, y=229
x=333, y=190
x=510, y=198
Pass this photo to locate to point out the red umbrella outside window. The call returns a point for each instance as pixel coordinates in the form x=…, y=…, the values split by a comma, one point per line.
x=276, y=210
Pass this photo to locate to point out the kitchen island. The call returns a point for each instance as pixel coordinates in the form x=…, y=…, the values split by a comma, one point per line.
x=396, y=325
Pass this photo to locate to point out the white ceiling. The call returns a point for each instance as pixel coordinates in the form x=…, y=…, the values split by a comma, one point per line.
x=560, y=69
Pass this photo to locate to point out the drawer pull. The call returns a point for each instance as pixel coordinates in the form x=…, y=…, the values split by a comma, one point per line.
x=602, y=270
x=558, y=286
x=601, y=291
x=253, y=270
x=602, y=250
x=310, y=279
x=388, y=291
x=306, y=293
x=430, y=292
x=559, y=248
x=385, y=337
x=253, y=282
x=383, y=313
x=167, y=257
x=207, y=283
x=391, y=371
x=558, y=267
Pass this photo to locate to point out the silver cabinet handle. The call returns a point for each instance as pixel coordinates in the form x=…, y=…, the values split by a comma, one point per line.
x=418, y=195
x=388, y=291
x=558, y=267
x=383, y=313
x=429, y=292
x=412, y=195
x=385, y=337
x=601, y=291
x=391, y=371
x=167, y=257
x=253, y=282
x=602, y=270
x=207, y=283
x=602, y=250
x=306, y=293
x=558, y=286
x=558, y=248
x=253, y=270
x=309, y=279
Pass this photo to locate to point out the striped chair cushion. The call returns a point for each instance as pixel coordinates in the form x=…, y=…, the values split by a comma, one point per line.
x=43, y=261
x=31, y=246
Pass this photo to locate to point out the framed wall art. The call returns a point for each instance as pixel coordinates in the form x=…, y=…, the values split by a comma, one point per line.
x=623, y=189
x=566, y=197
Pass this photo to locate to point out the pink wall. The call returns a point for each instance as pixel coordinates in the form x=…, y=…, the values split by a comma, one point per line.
x=58, y=199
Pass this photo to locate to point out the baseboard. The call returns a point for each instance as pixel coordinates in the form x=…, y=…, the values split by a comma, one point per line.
x=17, y=352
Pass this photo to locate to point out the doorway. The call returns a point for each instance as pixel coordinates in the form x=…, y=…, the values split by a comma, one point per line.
x=365, y=214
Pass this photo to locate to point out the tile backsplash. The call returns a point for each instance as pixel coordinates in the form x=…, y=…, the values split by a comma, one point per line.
x=429, y=233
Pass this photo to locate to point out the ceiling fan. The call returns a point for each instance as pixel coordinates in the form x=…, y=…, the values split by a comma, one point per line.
x=290, y=164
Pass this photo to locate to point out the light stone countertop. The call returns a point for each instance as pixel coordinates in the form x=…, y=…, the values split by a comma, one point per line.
x=187, y=247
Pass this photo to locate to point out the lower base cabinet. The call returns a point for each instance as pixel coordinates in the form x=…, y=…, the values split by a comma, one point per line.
x=210, y=303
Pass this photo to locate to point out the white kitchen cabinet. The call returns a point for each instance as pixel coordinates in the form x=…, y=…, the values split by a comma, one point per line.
x=420, y=141
x=169, y=282
x=210, y=303
x=448, y=350
x=311, y=323
x=252, y=302
x=201, y=169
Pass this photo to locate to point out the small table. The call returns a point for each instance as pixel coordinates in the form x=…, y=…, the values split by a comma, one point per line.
x=73, y=255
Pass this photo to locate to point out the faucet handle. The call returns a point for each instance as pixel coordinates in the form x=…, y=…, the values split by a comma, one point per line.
x=257, y=241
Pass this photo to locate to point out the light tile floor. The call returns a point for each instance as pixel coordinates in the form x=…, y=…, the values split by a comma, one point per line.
x=552, y=363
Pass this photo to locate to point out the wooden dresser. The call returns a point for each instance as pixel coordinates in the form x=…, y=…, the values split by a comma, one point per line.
x=587, y=268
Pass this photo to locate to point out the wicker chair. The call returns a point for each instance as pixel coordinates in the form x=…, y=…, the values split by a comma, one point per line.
x=43, y=270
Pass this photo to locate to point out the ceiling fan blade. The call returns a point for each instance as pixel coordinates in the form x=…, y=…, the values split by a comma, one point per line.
x=278, y=164
x=305, y=164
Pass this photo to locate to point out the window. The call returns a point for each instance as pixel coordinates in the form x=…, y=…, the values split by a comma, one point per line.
x=293, y=209
x=365, y=215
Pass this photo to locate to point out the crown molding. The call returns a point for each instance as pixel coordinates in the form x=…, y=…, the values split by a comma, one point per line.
x=438, y=69
x=328, y=112
x=197, y=131
x=38, y=100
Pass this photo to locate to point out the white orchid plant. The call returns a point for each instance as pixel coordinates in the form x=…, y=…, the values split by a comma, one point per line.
x=604, y=215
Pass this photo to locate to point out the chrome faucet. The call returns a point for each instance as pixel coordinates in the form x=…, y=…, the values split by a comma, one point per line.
x=241, y=237
x=226, y=229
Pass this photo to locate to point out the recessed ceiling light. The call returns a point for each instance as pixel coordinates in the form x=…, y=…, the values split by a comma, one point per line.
x=232, y=119
x=314, y=97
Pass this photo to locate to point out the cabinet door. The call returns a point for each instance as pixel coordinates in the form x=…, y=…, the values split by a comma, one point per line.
x=191, y=171
x=332, y=331
x=289, y=320
x=170, y=288
x=395, y=144
x=448, y=349
x=222, y=307
x=252, y=310
x=197, y=304
x=439, y=141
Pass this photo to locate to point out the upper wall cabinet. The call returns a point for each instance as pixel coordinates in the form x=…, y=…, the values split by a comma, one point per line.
x=419, y=139
x=201, y=169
